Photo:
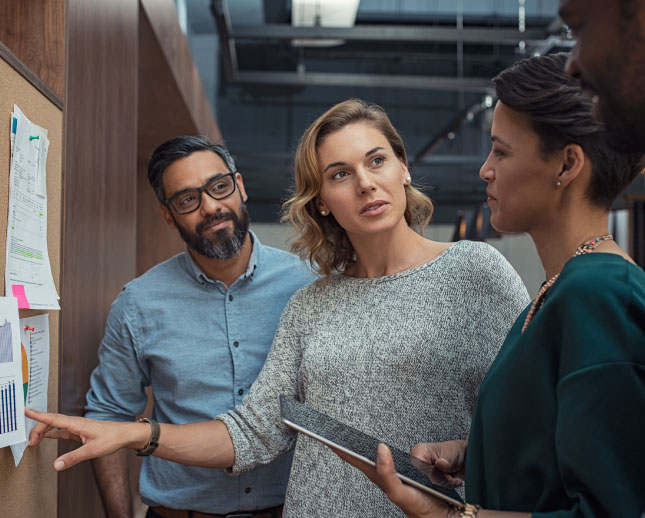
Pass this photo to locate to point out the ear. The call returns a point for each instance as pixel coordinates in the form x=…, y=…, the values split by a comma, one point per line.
x=405, y=174
x=165, y=214
x=322, y=207
x=573, y=161
x=240, y=186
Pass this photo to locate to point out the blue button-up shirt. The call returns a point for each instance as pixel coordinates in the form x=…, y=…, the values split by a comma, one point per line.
x=200, y=345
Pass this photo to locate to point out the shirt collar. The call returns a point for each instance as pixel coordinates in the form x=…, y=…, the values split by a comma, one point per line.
x=195, y=271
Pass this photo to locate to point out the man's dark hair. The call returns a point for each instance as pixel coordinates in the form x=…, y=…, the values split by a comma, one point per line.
x=180, y=147
x=561, y=114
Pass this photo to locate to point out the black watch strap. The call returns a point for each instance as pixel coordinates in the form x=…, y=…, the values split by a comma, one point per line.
x=153, y=442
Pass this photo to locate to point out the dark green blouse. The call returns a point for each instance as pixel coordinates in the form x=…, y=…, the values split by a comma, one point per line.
x=559, y=427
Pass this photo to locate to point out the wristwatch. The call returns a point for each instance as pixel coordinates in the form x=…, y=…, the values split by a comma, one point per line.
x=153, y=442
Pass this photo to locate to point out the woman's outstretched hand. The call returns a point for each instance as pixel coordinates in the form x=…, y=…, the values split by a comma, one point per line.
x=99, y=438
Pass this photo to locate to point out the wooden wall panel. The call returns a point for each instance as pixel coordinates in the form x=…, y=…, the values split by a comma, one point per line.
x=171, y=102
x=34, y=32
x=99, y=224
x=34, y=476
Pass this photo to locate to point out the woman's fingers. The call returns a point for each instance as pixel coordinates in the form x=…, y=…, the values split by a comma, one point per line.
x=46, y=424
x=62, y=434
x=74, y=457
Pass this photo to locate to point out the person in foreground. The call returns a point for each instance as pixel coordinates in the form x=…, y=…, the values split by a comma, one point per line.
x=397, y=319
x=608, y=59
x=161, y=333
x=559, y=422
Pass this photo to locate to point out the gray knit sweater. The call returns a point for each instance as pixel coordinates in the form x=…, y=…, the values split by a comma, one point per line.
x=399, y=357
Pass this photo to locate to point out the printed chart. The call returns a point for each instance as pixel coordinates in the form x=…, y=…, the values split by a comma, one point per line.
x=12, y=402
x=8, y=414
x=34, y=342
x=6, y=343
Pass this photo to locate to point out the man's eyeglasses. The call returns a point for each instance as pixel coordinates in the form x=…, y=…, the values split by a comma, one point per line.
x=219, y=187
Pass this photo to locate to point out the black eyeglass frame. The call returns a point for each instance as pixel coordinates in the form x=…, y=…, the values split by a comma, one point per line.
x=199, y=190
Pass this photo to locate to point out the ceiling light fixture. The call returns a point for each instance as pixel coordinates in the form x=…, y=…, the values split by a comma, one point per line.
x=322, y=13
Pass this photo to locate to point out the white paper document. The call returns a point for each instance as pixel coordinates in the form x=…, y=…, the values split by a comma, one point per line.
x=12, y=408
x=28, y=274
x=34, y=345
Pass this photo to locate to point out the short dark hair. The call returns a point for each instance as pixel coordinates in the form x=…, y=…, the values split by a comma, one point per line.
x=561, y=114
x=180, y=147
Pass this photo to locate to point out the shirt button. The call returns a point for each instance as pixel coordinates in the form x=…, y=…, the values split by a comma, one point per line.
x=240, y=392
x=236, y=344
x=230, y=297
x=247, y=490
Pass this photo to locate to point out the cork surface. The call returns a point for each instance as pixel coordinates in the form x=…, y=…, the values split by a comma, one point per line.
x=30, y=490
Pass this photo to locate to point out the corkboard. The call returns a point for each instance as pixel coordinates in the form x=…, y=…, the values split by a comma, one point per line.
x=30, y=490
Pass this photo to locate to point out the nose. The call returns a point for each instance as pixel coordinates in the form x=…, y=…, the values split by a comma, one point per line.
x=364, y=182
x=571, y=66
x=486, y=171
x=208, y=205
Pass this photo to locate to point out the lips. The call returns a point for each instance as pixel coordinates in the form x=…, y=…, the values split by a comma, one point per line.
x=373, y=208
x=490, y=197
x=213, y=222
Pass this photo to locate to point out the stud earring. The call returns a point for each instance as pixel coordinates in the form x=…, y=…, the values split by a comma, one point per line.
x=559, y=183
x=408, y=179
x=323, y=212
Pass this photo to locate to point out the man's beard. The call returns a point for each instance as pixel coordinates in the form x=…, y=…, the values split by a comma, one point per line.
x=223, y=243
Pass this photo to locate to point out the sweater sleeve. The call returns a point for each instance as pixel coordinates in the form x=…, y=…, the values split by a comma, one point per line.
x=255, y=427
x=495, y=297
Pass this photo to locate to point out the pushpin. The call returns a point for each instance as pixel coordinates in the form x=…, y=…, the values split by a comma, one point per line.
x=34, y=138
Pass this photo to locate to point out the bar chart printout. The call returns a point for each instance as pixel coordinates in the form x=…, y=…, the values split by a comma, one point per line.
x=12, y=404
x=8, y=417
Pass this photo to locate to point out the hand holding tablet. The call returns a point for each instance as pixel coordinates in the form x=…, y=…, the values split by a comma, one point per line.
x=349, y=442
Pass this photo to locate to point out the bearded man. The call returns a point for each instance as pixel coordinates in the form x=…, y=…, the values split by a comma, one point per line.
x=197, y=329
x=609, y=60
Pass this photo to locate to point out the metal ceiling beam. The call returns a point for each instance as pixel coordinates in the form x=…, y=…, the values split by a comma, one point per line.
x=450, y=130
x=227, y=44
x=390, y=33
x=467, y=84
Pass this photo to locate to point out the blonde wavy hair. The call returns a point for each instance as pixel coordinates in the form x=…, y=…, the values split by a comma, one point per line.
x=321, y=240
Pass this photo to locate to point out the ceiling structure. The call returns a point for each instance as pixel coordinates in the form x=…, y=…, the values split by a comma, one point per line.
x=427, y=62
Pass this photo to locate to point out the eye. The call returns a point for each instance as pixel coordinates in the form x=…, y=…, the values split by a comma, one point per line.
x=186, y=200
x=498, y=153
x=377, y=161
x=339, y=175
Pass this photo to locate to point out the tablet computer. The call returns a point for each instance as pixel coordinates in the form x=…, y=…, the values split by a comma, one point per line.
x=342, y=437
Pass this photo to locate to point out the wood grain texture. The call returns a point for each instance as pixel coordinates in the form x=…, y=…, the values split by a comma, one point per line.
x=171, y=103
x=15, y=63
x=99, y=225
x=34, y=32
x=31, y=487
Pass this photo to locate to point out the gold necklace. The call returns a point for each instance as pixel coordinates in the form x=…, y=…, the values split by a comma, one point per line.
x=584, y=248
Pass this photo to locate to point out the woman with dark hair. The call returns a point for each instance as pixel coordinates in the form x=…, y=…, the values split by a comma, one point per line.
x=398, y=322
x=560, y=418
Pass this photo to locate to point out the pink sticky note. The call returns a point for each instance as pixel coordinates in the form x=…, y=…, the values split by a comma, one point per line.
x=19, y=293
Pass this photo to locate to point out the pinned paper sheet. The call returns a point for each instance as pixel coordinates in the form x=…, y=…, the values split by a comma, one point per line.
x=12, y=409
x=19, y=292
x=34, y=342
x=27, y=258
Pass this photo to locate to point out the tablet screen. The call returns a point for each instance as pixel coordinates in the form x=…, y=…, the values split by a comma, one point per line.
x=333, y=433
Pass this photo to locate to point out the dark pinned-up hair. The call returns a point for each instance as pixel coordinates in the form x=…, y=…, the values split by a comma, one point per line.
x=180, y=147
x=561, y=114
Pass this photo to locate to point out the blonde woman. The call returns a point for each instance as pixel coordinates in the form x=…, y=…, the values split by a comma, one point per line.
x=397, y=324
